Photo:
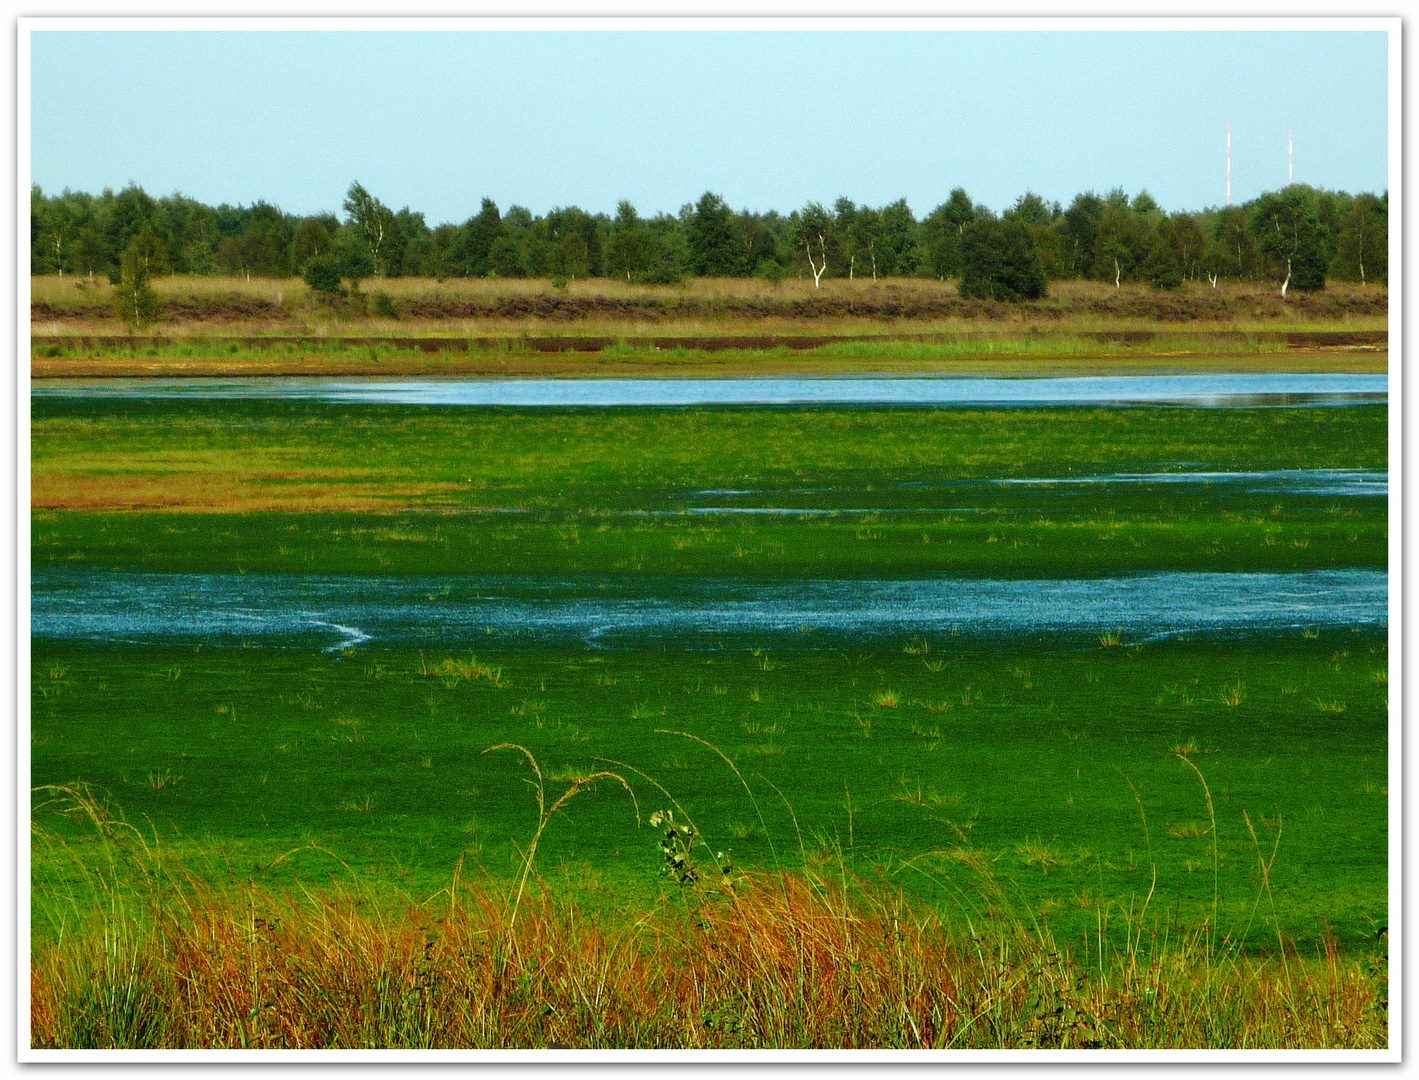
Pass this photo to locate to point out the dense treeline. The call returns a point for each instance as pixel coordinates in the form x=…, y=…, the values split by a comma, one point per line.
x=1296, y=237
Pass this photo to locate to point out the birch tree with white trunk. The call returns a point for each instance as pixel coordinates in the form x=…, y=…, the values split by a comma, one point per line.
x=814, y=229
x=373, y=220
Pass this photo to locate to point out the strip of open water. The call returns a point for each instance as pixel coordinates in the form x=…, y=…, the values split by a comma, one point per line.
x=1195, y=390
x=336, y=613
x=1330, y=483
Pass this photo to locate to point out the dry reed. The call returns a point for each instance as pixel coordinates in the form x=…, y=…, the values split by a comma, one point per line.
x=814, y=958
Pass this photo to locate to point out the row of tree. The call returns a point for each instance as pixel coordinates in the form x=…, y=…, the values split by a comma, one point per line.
x=1296, y=237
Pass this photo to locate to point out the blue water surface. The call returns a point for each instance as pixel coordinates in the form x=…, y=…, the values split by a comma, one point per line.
x=335, y=613
x=1195, y=390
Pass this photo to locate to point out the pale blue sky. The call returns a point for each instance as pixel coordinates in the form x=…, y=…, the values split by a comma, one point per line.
x=770, y=120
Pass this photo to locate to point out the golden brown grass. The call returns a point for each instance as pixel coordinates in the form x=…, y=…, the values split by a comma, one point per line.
x=191, y=492
x=817, y=957
x=521, y=327
x=708, y=306
x=791, y=960
x=53, y=289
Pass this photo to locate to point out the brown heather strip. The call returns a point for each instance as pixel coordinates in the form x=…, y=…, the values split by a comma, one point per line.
x=233, y=300
x=767, y=961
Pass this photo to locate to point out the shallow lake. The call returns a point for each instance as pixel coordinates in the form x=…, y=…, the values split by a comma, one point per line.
x=1193, y=390
x=497, y=611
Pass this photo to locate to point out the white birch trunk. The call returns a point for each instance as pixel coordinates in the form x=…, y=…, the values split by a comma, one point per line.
x=818, y=271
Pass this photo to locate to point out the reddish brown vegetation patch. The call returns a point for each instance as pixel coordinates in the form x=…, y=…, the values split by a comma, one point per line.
x=889, y=304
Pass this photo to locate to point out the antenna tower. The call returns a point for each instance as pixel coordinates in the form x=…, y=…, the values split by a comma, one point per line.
x=1290, y=156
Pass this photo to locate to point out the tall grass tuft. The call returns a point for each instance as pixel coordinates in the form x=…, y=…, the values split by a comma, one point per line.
x=812, y=957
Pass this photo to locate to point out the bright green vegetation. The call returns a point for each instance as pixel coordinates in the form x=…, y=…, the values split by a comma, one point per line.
x=1026, y=537
x=581, y=457
x=602, y=490
x=1019, y=754
x=689, y=355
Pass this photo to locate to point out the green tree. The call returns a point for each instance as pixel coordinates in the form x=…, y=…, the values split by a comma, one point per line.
x=373, y=223
x=472, y=251
x=322, y=274
x=1031, y=209
x=353, y=256
x=814, y=231
x=575, y=256
x=631, y=250
x=1233, y=253
x=1192, y=245
x=865, y=237
x=442, y=242
x=191, y=234
x=1362, y=242
x=314, y=239
x=714, y=247
x=250, y=253
x=1080, y=231
x=89, y=255
x=1038, y=217
x=941, y=234
x=1163, y=267
x=565, y=243
x=143, y=260
x=52, y=227
x=672, y=251
x=505, y=258
x=407, y=250
x=897, y=247
x=999, y=261
x=126, y=215
x=758, y=245
x=1143, y=203
x=1287, y=231
x=262, y=248
x=1119, y=242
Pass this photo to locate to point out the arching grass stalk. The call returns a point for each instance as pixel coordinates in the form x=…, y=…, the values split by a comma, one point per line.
x=546, y=813
x=1266, y=888
x=755, y=802
x=1216, y=862
x=1134, y=941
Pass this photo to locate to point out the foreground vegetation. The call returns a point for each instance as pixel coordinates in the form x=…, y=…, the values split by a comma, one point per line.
x=819, y=958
